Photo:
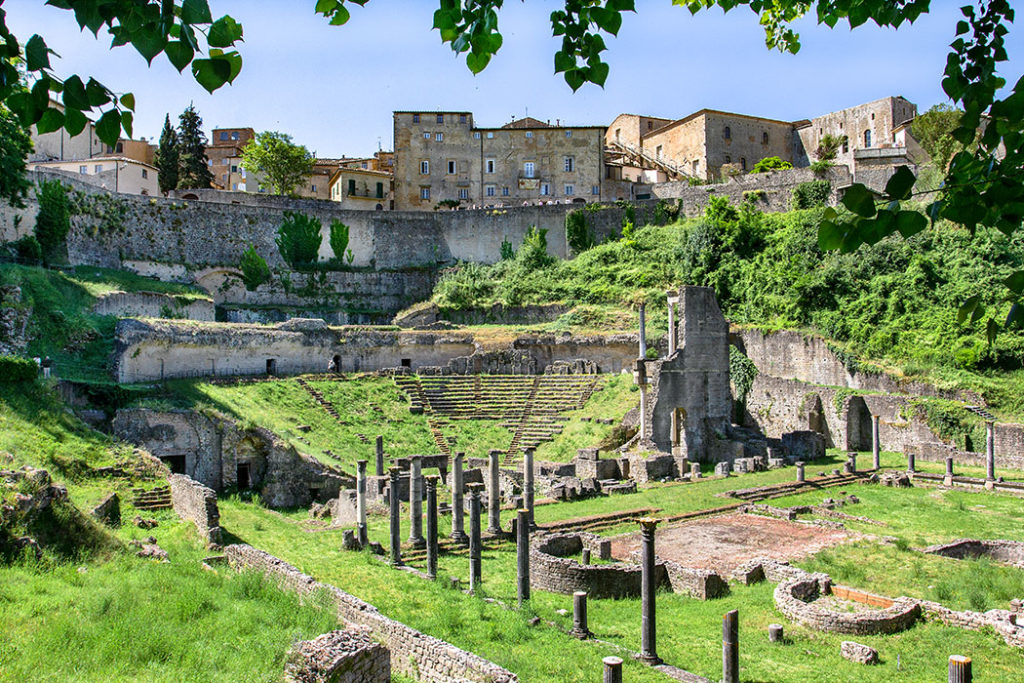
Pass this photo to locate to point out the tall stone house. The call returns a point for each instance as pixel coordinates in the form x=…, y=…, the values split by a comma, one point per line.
x=224, y=152
x=442, y=157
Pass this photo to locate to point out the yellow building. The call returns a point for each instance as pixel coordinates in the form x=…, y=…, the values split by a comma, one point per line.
x=113, y=173
x=362, y=189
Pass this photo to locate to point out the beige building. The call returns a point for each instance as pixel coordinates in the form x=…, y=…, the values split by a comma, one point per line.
x=443, y=157
x=873, y=125
x=113, y=173
x=224, y=152
x=362, y=189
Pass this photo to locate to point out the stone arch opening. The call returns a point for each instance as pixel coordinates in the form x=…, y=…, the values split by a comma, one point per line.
x=858, y=424
x=190, y=195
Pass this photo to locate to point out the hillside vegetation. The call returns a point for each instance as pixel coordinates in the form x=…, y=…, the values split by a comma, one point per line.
x=894, y=304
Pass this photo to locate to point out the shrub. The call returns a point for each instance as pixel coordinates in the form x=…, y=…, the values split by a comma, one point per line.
x=828, y=147
x=298, y=239
x=53, y=222
x=811, y=194
x=533, y=252
x=339, y=239
x=577, y=232
x=464, y=287
x=771, y=164
x=15, y=369
x=447, y=204
x=255, y=270
x=28, y=249
x=507, y=251
x=819, y=167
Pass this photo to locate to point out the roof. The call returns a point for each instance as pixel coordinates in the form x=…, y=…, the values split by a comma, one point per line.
x=526, y=122
x=428, y=111
x=705, y=112
x=127, y=160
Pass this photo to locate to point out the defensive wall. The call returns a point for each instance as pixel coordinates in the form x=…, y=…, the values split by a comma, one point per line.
x=771, y=191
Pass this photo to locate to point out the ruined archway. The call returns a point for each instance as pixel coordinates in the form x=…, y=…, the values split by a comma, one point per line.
x=858, y=424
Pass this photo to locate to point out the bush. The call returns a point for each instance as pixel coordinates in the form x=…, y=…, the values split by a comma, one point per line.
x=28, y=249
x=819, y=167
x=15, y=369
x=533, y=252
x=53, y=222
x=507, y=251
x=339, y=239
x=811, y=194
x=464, y=287
x=577, y=232
x=298, y=239
x=255, y=270
x=771, y=164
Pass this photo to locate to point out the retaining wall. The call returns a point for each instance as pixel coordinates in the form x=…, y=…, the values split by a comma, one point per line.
x=414, y=654
x=344, y=656
x=196, y=503
x=1010, y=552
x=153, y=305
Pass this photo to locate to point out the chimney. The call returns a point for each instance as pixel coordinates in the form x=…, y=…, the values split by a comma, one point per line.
x=558, y=122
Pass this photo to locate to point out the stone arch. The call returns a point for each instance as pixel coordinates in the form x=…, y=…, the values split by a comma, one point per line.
x=212, y=279
x=858, y=424
x=190, y=195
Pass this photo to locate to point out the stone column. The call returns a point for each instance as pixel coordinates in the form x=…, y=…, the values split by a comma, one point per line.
x=671, y=324
x=642, y=309
x=528, y=483
x=775, y=633
x=801, y=477
x=648, y=586
x=474, y=535
x=494, y=494
x=432, y=525
x=911, y=467
x=380, y=456
x=416, y=502
x=990, y=453
x=612, y=670
x=579, y=615
x=959, y=669
x=458, y=511
x=948, y=480
x=361, y=502
x=396, y=517
x=851, y=462
x=585, y=556
x=876, y=448
x=695, y=471
x=731, y=647
x=523, y=556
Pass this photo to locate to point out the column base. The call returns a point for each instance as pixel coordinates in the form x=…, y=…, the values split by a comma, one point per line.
x=363, y=536
x=418, y=543
x=495, y=531
x=947, y=481
x=459, y=537
x=582, y=635
x=650, y=660
x=990, y=484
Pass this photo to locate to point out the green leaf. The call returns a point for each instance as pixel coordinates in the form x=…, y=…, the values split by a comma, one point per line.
x=978, y=313
x=224, y=32
x=901, y=184
x=1015, y=318
x=599, y=74
x=74, y=121
x=96, y=93
x=74, y=94
x=967, y=308
x=211, y=73
x=860, y=200
x=128, y=101
x=1016, y=282
x=909, y=223
x=325, y=7
x=149, y=43
x=830, y=236
x=196, y=12
x=108, y=128
x=477, y=61
x=179, y=53
x=51, y=120
x=37, y=56
x=341, y=16
x=574, y=77
x=991, y=331
x=127, y=119
x=564, y=61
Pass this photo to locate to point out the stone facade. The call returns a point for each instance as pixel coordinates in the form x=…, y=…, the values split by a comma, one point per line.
x=343, y=656
x=866, y=126
x=414, y=654
x=195, y=503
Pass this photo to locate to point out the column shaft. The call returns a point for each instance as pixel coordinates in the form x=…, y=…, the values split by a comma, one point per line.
x=731, y=647
x=396, y=517
x=432, y=526
x=494, y=494
x=361, y=502
x=458, y=511
x=416, y=502
x=523, y=556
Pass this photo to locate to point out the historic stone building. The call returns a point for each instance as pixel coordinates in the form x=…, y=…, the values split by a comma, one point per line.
x=362, y=189
x=444, y=157
x=225, y=154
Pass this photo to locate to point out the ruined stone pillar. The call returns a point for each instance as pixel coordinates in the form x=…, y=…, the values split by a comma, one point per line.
x=396, y=517
x=612, y=670
x=648, y=586
x=801, y=477
x=851, y=462
x=579, y=615
x=528, y=483
x=523, y=556
x=380, y=455
x=671, y=324
x=959, y=669
x=361, y=502
x=494, y=494
x=695, y=471
x=990, y=452
x=416, y=502
x=948, y=480
x=876, y=448
x=775, y=633
x=458, y=511
x=474, y=535
x=585, y=556
x=642, y=309
x=731, y=647
x=911, y=467
x=432, y=525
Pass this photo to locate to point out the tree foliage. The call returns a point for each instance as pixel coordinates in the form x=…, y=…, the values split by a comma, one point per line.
x=255, y=270
x=934, y=131
x=283, y=163
x=577, y=233
x=15, y=146
x=298, y=239
x=829, y=146
x=193, y=165
x=771, y=164
x=53, y=221
x=339, y=239
x=168, y=157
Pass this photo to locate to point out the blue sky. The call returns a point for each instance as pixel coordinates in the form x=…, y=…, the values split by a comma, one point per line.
x=334, y=88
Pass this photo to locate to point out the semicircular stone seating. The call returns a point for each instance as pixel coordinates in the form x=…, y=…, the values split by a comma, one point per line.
x=797, y=598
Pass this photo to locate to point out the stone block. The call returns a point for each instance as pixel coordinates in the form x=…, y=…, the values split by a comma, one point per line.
x=722, y=469
x=108, y=510
x=804, y=445
x=855, y=652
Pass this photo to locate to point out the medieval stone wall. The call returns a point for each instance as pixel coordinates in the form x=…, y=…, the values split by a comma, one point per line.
x=196, y=503
x=772, y=191
x=342, y=656
x=153, y=305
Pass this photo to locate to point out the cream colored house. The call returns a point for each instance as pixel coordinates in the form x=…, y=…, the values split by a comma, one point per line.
x=362, y=189
x=113, y=173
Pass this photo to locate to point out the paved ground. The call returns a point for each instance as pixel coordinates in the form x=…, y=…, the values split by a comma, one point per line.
x=723, y=542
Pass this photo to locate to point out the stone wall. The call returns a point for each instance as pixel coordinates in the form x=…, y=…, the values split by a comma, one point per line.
x=343, y=656
x=196, y=503
x=216, y=452
x=796, y=599
x=772, y=191
x=1010, y=552
x=153, y=305
x=413, y=654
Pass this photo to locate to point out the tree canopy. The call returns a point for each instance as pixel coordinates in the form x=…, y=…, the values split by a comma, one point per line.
x=193, y=165
x=283, y=163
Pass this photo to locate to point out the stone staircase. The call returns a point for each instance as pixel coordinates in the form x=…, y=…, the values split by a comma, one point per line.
x=760, y=493
x=597, y=523
x=319, y=398
x=154, y=499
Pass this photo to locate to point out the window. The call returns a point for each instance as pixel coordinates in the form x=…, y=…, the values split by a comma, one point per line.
x=439, y=137
x=440, y=118
x=120, y=148
x=595, y=190
x=764, y=138
x=529, y=133
x=476, y=135
x=504, y=192
x=545, y=190
x=145, y=173
x=424, y=168
x=451, y=167
x=867, y=138
x=657, y=151
x=98, y=168
x=462, y=118
x=234, y=169
x=618, y=132
x=83, y=169
x=351, y=187
x=490, y=190
x=570, y=164
x=696, y=167
x=569, y=189
x=650, y=125
x=225, y=161
x=728, y=159
x=846, y=145
x=463, y=193
x=225, y=177
x=490, y=136
x=312, y=188
x=223, y=135
x=528, y=169
x=568, y=133
x=426, y=136
x=380, y=190
x=727, y=133
x=415, y=118
x=234, y=186
x=743, y=163
x=363, y=165
x=489, y=166
x=424, y=193
x=234, y=136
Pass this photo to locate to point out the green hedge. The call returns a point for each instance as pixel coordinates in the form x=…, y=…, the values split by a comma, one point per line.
x=14, y=369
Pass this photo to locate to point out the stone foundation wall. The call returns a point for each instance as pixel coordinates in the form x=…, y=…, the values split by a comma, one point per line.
x=344, y=656
x=552, y=570
x=413, y=654
x=196, y=503
x=1010, y=552
x=153, y=305
x=702, y=584
x=772, y=191
x=796, y=598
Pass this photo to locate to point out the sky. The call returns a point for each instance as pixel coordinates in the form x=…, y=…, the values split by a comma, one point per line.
x=333, y=88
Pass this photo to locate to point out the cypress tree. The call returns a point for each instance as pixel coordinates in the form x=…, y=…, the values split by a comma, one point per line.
x=167, y=157
x=193, y=166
